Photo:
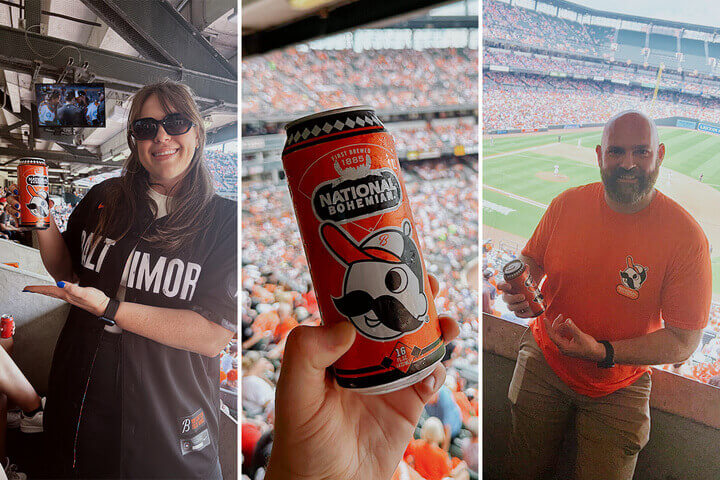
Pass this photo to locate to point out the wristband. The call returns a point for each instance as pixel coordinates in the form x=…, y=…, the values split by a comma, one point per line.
x=609, y=360
x=109, y=316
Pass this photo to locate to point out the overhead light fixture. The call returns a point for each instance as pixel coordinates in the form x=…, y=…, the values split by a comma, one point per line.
x=308, y=4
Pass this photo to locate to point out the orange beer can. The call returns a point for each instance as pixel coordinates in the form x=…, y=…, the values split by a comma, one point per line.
x=32, y=181
x=362, y=247
x=518, y=276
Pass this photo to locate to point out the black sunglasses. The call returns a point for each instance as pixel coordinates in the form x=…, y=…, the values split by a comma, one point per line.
x=147, y=128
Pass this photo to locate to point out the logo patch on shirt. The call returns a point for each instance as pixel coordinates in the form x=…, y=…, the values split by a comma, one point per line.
x=196, y=443
x=193, y=422
x=194, y=435
x=631, y=279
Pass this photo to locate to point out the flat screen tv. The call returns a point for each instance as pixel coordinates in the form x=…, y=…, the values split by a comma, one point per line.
x=79, y=105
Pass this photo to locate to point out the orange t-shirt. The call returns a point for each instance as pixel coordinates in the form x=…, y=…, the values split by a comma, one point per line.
x=617, y=276
x=430, y=461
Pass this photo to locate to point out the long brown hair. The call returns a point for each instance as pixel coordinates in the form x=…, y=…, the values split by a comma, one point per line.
x=189, y=198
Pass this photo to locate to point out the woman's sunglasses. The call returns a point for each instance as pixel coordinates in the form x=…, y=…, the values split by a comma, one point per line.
x=147, y=128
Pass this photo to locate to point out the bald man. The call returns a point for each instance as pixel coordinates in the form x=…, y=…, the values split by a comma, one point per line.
x=627, y=285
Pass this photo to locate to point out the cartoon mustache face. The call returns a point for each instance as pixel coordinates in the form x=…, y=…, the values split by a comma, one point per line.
x=388, y=310
x=39, y=207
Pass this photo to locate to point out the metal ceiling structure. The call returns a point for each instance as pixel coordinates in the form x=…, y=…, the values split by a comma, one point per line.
x=287, y=26
x=124, y=44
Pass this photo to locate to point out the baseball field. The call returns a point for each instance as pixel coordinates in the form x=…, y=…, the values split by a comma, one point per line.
x=521, y=174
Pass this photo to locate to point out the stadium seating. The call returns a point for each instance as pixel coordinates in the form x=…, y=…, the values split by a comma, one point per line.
x=291, y=81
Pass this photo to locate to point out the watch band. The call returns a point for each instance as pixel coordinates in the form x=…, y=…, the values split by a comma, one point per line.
x=109, y=315
x=609, y=360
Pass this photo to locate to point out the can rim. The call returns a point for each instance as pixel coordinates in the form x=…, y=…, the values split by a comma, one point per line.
x=514, y=272
x=327, y=113
x=27, y=160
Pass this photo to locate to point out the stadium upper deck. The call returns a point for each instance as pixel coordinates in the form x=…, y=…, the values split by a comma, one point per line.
x=572, y=29
x=294, y=82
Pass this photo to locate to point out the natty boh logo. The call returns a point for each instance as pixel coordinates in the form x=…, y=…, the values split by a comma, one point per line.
x=632, y=278
x=383, y=287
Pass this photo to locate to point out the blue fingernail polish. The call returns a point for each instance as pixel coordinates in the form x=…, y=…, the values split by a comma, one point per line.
x=17, y=215
x=17, y=205
x=61, y=284
x=16, y=192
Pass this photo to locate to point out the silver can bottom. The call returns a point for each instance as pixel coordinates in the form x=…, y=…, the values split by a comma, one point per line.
x=398, y=384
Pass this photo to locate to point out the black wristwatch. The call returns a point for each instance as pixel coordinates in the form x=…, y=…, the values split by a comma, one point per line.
x=609, y=360
x=109, y=316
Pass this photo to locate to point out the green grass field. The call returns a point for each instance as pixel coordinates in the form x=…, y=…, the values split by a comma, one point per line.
x=688, y=152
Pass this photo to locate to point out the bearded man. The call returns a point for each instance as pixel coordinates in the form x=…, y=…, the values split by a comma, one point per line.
x=627, y=285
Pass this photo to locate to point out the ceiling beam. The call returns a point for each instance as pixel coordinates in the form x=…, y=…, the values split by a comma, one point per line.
x=160, y=33
x=33, y=9
x=120, y=72
x=223, y=134
x=82, y=157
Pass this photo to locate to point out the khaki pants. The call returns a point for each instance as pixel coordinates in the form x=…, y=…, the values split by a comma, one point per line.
x=611, y=430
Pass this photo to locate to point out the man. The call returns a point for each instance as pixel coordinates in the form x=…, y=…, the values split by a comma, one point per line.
x=7, y=228
x=91, y=113
x=82, y=101
x=70, y=114
x=442, y=405
x=620, y=259
x=489, y=293
x=48, y=108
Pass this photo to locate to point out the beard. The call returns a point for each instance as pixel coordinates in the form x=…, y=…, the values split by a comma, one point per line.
x=628, y=193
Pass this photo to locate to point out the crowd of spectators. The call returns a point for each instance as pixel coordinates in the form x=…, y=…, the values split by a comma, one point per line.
x=545, y=64
x=293, y=81
x=530, y=101
x=502, y=21
x=511, y=25
x=277, y=295
x=703, y=365
x=223, y=168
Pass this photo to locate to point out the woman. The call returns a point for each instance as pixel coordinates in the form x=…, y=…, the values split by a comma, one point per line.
x=134, y=385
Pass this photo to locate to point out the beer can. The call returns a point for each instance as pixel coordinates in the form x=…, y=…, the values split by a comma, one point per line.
x=517, y=275
x=362, y=247
x=34, y=194
x=7, y=326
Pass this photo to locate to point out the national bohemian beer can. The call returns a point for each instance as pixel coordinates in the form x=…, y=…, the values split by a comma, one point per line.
x=517, y=275
x=362, y=247
x=7, y=326
x=34, y=194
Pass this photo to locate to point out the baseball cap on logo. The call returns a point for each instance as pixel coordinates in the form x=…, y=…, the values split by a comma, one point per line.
x=386, y=246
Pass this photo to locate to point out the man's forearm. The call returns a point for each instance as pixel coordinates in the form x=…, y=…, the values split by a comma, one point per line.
x=55, y=254
x=183, y=329
x=657, y=348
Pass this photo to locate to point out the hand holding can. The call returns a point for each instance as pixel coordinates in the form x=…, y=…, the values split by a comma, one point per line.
x=362, y=247
x=521, y=292
x=33, y=194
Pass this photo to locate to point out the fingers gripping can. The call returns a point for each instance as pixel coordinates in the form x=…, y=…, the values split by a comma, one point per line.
x=362, y=247
x=517, y=275
x=34, y=194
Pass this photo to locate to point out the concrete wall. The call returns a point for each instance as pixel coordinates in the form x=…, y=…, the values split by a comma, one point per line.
x=681, y=446
x=228, y=444
x=28, y=258
x=38, y=321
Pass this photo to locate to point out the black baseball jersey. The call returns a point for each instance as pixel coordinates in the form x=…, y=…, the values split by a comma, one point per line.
x=170, y=397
